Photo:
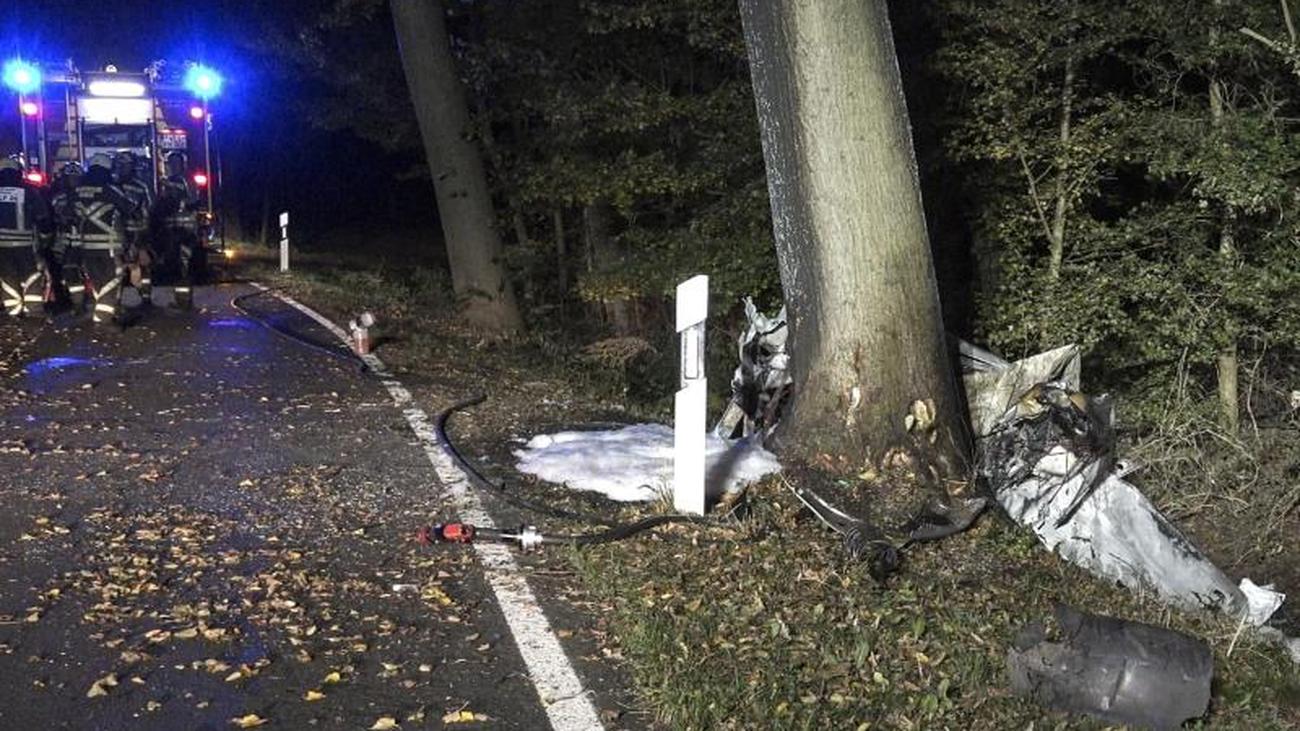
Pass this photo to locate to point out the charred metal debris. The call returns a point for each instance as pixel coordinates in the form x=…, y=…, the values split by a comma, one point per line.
x=1046, y=454
x=1119, y=671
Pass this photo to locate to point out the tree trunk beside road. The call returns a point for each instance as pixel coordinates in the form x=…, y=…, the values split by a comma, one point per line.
x=872, y=380
x=464, y=204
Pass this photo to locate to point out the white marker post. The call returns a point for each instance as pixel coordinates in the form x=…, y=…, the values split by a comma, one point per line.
x=692, y=399
x=284, y=241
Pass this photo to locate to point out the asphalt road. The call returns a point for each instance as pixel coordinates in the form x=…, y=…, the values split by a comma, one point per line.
x=203, y=521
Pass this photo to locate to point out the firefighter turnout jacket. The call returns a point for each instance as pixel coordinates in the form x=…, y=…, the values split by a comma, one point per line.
x=26, y=232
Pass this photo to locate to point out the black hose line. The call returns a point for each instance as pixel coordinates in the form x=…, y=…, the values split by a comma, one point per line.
x=615, y=531
x=345, y=355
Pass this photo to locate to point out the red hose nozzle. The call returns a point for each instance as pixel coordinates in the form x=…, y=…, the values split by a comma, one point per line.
x=445, y=533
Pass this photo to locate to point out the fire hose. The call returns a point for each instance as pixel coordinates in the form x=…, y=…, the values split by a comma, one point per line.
x=862, y=539
x=527, y=536
x=238, y=305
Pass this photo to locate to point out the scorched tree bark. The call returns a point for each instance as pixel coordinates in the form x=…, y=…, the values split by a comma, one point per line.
x=464, y=204
x=872, y=380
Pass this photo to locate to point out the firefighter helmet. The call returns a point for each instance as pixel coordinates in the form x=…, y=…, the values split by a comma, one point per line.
x=176, y=163
x=100, y=160
x=124, y=165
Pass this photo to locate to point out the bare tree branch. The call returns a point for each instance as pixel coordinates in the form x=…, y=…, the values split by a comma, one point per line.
x=1033, y=195
x=1265, y=40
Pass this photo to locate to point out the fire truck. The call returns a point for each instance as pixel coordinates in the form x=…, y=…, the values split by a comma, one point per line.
x=65, y=115
x=57, y=114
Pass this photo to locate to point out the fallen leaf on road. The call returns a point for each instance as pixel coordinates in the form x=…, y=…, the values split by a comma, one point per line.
x=313, y=695
x=384, y=724
x=464, y=716
x=248, y=721
x=333, y=677
x=101, y=686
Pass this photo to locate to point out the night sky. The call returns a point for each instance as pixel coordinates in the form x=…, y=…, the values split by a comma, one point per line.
x=129, y=33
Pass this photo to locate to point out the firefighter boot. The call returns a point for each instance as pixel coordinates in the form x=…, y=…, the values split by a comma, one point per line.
x=184, y=296
x=108, y=299
x=77, y=283
x=146, y=290
x=142, y=276
x=185, y=289
x=55, y=294
x=12, y=298
x=25, y=297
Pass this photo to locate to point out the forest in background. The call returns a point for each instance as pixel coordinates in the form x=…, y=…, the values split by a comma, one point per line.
x=1118, y=175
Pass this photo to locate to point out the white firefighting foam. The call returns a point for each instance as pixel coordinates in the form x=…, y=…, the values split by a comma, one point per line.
x=635, y=463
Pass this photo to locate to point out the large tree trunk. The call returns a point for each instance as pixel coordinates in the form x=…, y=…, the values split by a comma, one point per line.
x=464, y=204
x=867, y=340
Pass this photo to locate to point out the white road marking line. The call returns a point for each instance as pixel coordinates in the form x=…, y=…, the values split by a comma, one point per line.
x=561, y=692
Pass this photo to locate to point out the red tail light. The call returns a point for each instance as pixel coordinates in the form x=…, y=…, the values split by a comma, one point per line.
x=30, y=109
x=35, y=177
x=201, y=179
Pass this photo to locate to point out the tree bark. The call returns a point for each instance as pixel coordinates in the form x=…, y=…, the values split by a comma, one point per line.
x=872, y=380
x=1227, y=366
x=464, y=203
x=1056, y=239
x=561, y=252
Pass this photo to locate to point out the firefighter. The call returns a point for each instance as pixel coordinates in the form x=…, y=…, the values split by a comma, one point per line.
x=26, y=234
x=66, y=249
x=102, y=209
x=139, y=253
x=176, y=217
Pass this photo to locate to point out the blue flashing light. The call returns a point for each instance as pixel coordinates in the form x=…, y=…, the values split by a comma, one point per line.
x=21, y=76
x=202, y=82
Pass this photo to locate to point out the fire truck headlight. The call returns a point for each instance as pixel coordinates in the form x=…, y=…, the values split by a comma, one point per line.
x=21, y=76
x=106, y=87
x=202, y=82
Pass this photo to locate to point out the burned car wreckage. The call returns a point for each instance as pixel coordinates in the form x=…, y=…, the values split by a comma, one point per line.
x=1046, y=455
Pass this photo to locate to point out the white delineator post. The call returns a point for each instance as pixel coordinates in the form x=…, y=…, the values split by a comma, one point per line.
x=284, y=241
x=692, y=400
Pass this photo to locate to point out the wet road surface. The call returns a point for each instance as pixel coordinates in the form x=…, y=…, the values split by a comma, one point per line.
x=205, y=522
